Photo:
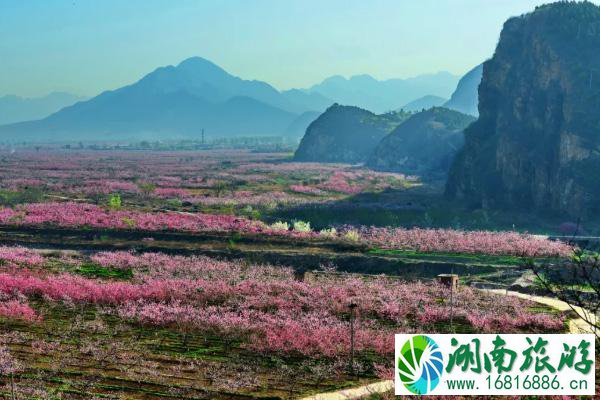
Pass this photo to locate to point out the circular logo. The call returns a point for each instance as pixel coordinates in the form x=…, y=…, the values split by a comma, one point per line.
x=420, y=364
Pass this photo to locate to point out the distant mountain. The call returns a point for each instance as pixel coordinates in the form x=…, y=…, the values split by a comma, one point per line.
x=298, y=126
x=17, y=109
x=425, y=144
x=466, y=98
x=366, y=92
x=345, y=134
x=130, y=115
x=307, y=101
x=204, y=79
x=424, y=103
x=171, y=102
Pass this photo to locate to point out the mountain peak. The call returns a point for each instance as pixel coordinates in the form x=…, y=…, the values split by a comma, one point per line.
x=363, y=78
x=196, y=67
x=195, y=75
x=198, y=63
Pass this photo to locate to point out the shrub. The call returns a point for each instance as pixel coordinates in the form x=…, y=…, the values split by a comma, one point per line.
x=328, y=233
x=174, y=203
x=352, y=236
x=114, y=201
x=280, y=226
x=301, y=226
x=129, y=222
x=147, y=188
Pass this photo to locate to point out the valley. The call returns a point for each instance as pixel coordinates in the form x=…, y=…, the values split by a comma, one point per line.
x=271, y=224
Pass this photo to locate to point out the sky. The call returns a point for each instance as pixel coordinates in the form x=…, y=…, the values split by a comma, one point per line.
x=86, y=47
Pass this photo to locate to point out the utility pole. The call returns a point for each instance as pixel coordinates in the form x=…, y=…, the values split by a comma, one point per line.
x=203, y=136
x=452, y=301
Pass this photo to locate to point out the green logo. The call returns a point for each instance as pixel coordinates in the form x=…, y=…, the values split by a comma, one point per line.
x=420, y=364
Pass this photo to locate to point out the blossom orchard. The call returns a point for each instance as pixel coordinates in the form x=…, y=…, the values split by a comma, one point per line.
x=458, y=241
x=264, y=307
x=74, y=215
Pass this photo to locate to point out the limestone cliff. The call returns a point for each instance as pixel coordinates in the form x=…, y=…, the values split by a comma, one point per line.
x=536, y=143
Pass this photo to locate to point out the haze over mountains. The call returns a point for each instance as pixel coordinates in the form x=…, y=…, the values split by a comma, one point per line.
x=424, y=103
x=534, y=144
x=177, y=102
x=366, y=92
x=170, y=102
x=423, y=142
x=465, y=98
x=17, y=109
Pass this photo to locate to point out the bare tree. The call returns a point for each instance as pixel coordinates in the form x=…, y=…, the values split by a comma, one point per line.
x=576, y=282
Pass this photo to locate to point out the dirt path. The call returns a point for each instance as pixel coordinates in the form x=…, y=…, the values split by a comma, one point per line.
x=576, y=325
x=356, y=393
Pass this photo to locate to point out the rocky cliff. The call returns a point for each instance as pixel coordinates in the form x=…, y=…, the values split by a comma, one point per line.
x=424, y=145
x=536, y=143
x=346, y=134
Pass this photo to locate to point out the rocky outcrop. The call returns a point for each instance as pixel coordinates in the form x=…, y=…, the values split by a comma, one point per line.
x=345, y=134
x=423, y=145
x=536, y=143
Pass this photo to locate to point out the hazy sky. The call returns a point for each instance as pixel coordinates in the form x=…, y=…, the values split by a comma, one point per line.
x=85, y=47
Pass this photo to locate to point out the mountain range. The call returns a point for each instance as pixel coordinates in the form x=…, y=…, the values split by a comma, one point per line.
x=177, y=102
x=380, y=96
x=171, y=102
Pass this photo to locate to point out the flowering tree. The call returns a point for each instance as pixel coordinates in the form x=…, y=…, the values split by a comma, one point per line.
x=184, y=303
x=427, y=240
x=266, y=307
